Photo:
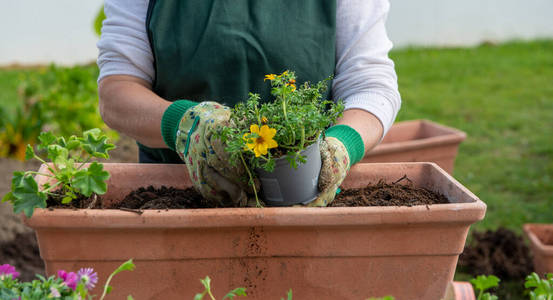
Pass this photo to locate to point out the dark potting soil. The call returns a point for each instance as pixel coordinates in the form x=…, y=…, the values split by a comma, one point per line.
x=380, y=194
x=22, y=253
x=388, y=194
x=501, y=252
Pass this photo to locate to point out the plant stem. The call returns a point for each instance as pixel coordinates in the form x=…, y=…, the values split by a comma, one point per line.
x=302, y=141
x=37, y=173
x=210, y=295
x=257, y=204
x=88, y=160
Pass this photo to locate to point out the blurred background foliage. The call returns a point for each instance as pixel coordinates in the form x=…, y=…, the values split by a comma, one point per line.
x=63, y=100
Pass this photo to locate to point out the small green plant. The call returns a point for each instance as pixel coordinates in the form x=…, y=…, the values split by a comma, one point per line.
x=68, y=168
x=66, y=285
x=482, y=283
x=539, y=289
x=536, y=287
x=263, y=130
x=207, y=291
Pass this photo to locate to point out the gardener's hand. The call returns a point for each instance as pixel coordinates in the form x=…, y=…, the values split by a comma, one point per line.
x=336, y=160
x=204, y=154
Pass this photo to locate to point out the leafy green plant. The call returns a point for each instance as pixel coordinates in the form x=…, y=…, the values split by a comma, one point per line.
x=539, y=289
x=263, y=130
x=22, y=127
x=482, y=283
x=60, y=99
x=207, y=291
x=70, y=174
x=536, y=287
x=66, y=285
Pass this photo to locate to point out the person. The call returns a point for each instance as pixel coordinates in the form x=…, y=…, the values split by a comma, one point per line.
x=159, y=59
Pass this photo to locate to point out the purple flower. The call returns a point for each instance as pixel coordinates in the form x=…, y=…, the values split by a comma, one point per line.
x=88, y=277
x=8, y=270
x=70, y=279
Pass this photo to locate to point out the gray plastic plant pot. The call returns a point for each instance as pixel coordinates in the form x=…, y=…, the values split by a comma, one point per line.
x=287, y=186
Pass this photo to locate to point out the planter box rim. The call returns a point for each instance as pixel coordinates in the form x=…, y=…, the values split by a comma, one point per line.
x=453, y=136
x=465, y=212
x=528, y=230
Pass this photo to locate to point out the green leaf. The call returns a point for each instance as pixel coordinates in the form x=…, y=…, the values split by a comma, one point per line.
x=483, y=282
x=289, y=295
x=29, y=152
x=91, y=180
x=235, y=293
x=199, y=296
x=58, y=155
x=129, y=297
x=126, y=266
x=73, y=143
x=26, y=194
x=46, y=139
x=206, y=282
x=95, y=143
x=66, y=200
x=8, y=197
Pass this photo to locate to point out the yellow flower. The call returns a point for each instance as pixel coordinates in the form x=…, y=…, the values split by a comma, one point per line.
x=292, y=85
x=270, y=77
x=261, y=144
x=283, y=74
x=264, y=120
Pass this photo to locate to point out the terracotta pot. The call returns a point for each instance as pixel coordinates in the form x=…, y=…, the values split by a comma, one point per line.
x=418, y=141
x=460, y=290
x=541, y=243
x=321, y=253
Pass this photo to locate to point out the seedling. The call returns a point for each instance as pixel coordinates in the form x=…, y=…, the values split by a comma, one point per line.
x=483, y=283
x=542, y=288
x=68, y=169
x=207, y=291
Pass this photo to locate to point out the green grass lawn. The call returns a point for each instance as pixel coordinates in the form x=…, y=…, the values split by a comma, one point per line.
x=502, y=96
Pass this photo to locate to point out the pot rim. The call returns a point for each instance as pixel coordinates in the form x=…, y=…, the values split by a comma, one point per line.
x=534, y=240
x=451, y=137
x=470, y=211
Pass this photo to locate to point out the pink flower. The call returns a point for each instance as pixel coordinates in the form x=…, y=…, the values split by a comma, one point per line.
x=70, y=279
x=54, y=292
x=8, y=270
x=88, y=277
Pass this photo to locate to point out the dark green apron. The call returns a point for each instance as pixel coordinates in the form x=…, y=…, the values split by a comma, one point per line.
x=220, y=50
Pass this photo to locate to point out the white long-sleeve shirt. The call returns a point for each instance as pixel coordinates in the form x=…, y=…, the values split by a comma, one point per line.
x=364, y=75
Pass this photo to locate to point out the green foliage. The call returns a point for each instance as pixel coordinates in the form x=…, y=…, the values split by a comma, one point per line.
x=536, y=287
x=288, y=295
x=297, y=115
x=539, y=289
x=70, y=174
x=100, y=17
x=59, y=99
x=22, y=127
x=482, y=283
x=126, y=266
x=54, y=287
x=206, y=282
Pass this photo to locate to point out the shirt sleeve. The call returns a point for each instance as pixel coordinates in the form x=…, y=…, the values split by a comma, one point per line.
x=124, y=48
x=364, y=76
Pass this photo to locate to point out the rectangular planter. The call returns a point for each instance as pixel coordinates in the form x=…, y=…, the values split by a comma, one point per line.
x=321, y=253
x=418, y=141
x=541, y=244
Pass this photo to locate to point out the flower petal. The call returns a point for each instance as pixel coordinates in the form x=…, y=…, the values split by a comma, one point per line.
x=271, y=143
x=262, y=148
x=254, y=128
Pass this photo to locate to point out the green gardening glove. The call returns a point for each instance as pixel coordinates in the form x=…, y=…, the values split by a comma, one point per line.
x=203, y=154
x=341, y=148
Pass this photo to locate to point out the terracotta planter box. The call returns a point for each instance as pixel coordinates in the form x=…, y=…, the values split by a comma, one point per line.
x=321, y=253
x=541, y=243
x=418, y=141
